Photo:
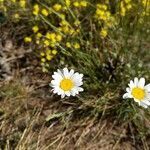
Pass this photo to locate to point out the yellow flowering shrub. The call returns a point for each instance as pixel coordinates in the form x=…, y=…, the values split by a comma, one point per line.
x=60, y=27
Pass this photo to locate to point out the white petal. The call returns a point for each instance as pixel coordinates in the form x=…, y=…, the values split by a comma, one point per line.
x=147, y=97
x=143, y=104
x=136, y=81
x=78, y=83
x=55, y=83
x=77, y=79
x=73, y=92
x=76, y=75
x=136, y=100
x=127, y=95
x=147, y=87
x=146, y=102
x=81, y=75
x=131, y=84
x=57, y=76
x=128, y=90
x=56, y=90
x=141, y=82
x=67, y=93
x=71, y=72
x=66, y=73
x=63, y=95
x=60, y=72
x=60, y=91
x=80, y=89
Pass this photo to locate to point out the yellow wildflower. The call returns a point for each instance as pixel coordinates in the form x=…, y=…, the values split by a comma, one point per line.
x=50, y=35
x=43, y=60
x=83, y=3
x=54, y=52
x=65, y=29
x=76, y=45
x=35, y=29
x=53, y=37
x=127, y=1
x=123, y=11
x=62, y=16
x=100, y=12
x=103, y=17
x=49, y=57
x=57, y=7
x=71, y=31
x=102, y=6
x=76, y=4
x=36, y=9
x=44, y=12
x=77, y=31
x=146, y=3
x=48, y=51
x=27, y=39
x=52, y=44
x=103, y=33
x=22, y=3
x=77, y=23
x=38, y=35
x=68, y=45
x=46, y=43
x=129, y=6
x=58, y=37
x=67, y=3
x=42, y=54
x=64, y=23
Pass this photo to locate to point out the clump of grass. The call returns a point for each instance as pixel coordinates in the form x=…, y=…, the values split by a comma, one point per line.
x=12, y=90
x=13, y=97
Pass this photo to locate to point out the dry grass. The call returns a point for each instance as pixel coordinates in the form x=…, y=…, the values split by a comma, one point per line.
x=24, y=109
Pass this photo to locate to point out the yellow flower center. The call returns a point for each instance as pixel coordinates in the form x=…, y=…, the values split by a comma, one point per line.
x=66, y=84
x=138, y=93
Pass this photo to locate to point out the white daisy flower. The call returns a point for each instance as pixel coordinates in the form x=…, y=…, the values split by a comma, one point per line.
x=139, y=91
x=66, y=83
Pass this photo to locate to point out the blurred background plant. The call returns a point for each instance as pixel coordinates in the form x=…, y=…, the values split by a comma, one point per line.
x=74, y=28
